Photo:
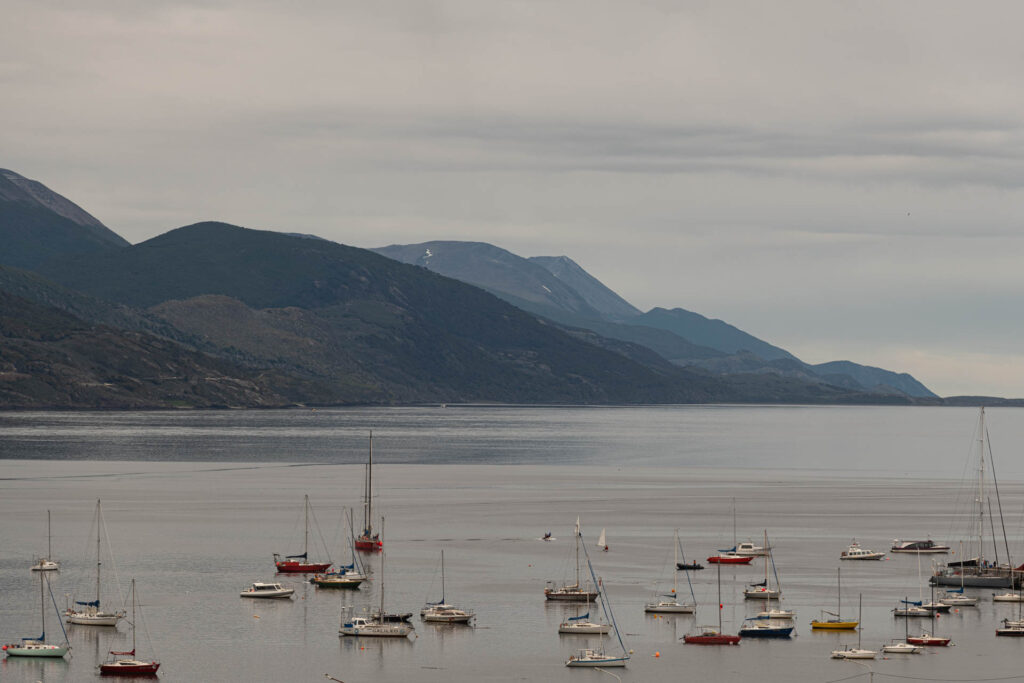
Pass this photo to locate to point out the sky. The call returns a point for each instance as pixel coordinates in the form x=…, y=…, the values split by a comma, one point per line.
x=842, y=179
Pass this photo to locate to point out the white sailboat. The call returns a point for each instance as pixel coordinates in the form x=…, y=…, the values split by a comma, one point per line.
x=602, y=542
x=855, y=652
x=47, y=564
x=672, y=605
x=38, y=647
x=903, y=647
x=376, y=626
x=576, y=591
x=90, y=613
x=442, y=612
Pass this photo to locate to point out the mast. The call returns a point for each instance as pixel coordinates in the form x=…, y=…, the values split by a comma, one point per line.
x=382, y=583
x=860, y=606
x=442, y=577
x=719, y=597
x=578, y=534
x=734, y=545
x=981, y=485
x=133, y=616
x=49, y=538
x=98, y=563
x=675, y=569
x=369, y=490
x=305, y=538
x=42, y=608
x=767, y=586
x=839, y=596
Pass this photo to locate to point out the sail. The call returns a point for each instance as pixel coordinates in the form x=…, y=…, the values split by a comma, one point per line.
x=582, y=616
x=41, y=638
x=296, y=557
x=601, y=540
x=915, y=603
x=760, y=584
x=88, y=603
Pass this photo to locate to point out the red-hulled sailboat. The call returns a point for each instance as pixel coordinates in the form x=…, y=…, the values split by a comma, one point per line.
x=368, y=540
x=299, y=564
x=128, y=665
x=729, y=558
x=710, y=635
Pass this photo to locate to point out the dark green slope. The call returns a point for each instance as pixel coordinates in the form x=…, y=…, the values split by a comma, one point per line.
x=420, y=335
x=37, y=225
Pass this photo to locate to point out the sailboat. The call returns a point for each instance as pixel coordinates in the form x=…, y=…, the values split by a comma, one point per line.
x=762, y=591
x=837, y=623
x=443, y=612
x=929, y=637
x=582, y=625
x=602, y=542
x=38, y=647
x=765, y=626
x=855, y=652
x=347, y=575
x=903, y=647
x=46, y=564
x=573, y=592
x=1011, y=628
x=368, y=540
x=376, y=626
x=955, y=596
x=978, y=572
x=730, y=555
x=597, y=657
x=915, y=608
x=672, y=605
x=91, y=615
x=124, y=663
x=709, y=635
x=299, y=564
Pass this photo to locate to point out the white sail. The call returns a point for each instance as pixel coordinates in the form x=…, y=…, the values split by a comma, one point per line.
x=601, y=540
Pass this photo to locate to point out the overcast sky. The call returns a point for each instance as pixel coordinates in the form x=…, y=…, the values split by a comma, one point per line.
x=841, y=179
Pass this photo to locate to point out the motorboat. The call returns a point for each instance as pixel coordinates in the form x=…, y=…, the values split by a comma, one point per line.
x=919, y=547
x=590, y=657
x=267, y=590
x=855, y=552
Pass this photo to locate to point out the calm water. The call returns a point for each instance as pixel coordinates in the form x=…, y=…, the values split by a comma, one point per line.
x=196, y=503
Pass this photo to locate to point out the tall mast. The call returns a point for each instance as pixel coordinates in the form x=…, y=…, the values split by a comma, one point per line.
x=860, y=607
x=839, y=594
x=734, y=546
x=675, y=568
x=719, y=565
x=382, y=579
x=42, y=607
x=133, y=616
x=442, y=577
x=49, y=537
x=577, y=551
x=767, y=587
x=369, y=489
x=981, y=485
x=98, y=563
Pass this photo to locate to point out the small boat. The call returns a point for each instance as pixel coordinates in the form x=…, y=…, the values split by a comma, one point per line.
x=837, y=623
x=38, y=647
x=761, y=592
x=929, y=638
x=1013, y=628
x=855, y=652
x=376, y=626
x=672, y=605
x=581, y=624
x=267, y=590
x=765, y=626
x=855, y=552
x=591, y=657
x=369, y=541
x=572, y=592
x=919, y=547
x=776, y=613
x=602, y=543
x=124, y=663
x=1007, y=597
x=709, y=635
x=299, y=564
x=442, y=612
x=347, y=575
x=689, y=566
x=956, y=598
x=547, y=536
x=897, y=647
x=91, y=614
x=729, y=558
x=911, y=610
x=749, y=549
x=46, y=564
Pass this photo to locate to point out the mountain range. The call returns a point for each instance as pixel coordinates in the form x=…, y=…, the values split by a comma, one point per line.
x=216, y=315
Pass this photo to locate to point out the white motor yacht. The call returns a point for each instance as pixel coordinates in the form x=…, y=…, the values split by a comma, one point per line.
x=855, y=552
x=361, y=626
x=267, y=590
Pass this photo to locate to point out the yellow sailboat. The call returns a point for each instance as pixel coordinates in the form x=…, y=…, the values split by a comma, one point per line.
x=838, y=623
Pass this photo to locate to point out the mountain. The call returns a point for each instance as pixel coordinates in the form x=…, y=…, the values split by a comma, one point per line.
x=498, y=271
x=609, y=305
x=52, y=359
x=714, y=333
x=376, y=329
x=875, y=379
x=37, y=225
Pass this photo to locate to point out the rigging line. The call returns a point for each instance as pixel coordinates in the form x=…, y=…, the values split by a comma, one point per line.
x=145, y=624
x=999, y=502
x=319, y=533
x=60, y=621
x=110, y=549
x=848, y=678
x=951, y=680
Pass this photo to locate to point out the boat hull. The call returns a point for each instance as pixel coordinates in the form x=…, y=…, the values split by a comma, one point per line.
x=928, y=640
x=46, y=566
x=761, y=595
x=335, y=582
x=1011, y=631
x=693, y=567
x=92, y=618
x=583, y=629
x=385, y=630
x=719, y=639
x=563, y=595
x=834, y=625
x=669, y=608
x=769, y=632
x=288, y=567
x=35, y=650
x=725, y=559
x=968, y=581
x=854, y=654
x=129, y=667
x=369, y=544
